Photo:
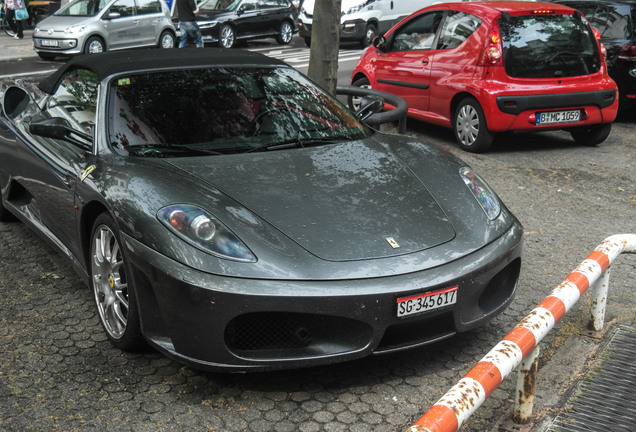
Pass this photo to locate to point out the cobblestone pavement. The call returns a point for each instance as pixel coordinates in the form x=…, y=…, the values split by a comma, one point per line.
x=59, y=372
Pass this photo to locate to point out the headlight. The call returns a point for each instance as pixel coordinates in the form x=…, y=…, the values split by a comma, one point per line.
x=484, y=195
x=207, y=24
x=74, y=29
x=197, y=227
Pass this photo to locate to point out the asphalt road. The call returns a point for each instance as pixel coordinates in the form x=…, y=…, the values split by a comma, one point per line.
x=58, y=371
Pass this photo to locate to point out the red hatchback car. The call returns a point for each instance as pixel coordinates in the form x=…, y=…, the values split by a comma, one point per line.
x=496, y=66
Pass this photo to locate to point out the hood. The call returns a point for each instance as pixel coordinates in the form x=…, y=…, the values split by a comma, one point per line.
x=342, y=202
x=60, y=23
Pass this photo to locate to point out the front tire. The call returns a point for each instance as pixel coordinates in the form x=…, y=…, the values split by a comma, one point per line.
x=167, y=40
x=94, y=45
x=470, y=128
x=369, y=34
x=114, y=294
x=227, y=37
x=591, y=135
x=354, y=101
x=285, y=34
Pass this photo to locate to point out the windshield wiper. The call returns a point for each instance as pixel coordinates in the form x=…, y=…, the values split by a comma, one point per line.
x=299, y=143
x=141, y=148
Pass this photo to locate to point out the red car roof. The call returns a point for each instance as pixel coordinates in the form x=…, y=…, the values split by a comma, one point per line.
x=493, y=7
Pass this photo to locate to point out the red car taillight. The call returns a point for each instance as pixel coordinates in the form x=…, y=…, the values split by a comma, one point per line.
x=628, y=52
x=493, y=51
x=597, y=35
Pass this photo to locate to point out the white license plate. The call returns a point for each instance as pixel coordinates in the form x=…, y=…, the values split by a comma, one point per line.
x=48, y=43
x=426, y=301
x=556, y=117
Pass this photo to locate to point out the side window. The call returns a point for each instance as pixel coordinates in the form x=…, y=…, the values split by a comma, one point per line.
x=457, y=27
x=418, y=34
x=124, y=7
x=249, y=5
x=271, y=4
x=75, y=100
x=148, y=6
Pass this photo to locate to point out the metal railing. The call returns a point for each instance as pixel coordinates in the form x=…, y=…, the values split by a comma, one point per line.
x=521, y=345
x=397, y=114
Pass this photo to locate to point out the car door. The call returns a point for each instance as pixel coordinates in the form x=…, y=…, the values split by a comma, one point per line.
x=50, y=169
x=453, y=61
x=150, y=17
x=124, y=30
x=272, y=14
x=247, y=20
x=8, y=146
x=405, y=69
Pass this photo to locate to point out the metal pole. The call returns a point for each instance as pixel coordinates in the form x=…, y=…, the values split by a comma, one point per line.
x=598, y=295
x=526, y=383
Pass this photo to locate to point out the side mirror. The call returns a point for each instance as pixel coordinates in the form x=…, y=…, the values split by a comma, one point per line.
x=15, y=102
x=369, y=105
x=379, y=42
x=59, y=128
x=113, y=15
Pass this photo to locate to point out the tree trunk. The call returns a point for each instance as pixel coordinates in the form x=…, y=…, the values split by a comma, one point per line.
x=325, y=40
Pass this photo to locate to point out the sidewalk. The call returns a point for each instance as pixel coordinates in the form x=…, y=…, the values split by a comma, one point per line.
x=15, y=50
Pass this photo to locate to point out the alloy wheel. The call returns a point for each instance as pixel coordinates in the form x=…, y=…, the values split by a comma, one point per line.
x=109, y=282
x=285, y=36
x=227, y=37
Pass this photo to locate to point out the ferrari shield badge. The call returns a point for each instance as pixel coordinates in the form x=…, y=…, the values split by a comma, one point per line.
x=392, y=242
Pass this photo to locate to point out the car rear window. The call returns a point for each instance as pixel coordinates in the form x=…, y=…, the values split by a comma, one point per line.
x=613, y=21
x=548, y=46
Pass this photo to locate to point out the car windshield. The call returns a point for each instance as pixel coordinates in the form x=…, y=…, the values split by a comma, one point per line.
x=222, y=111
x=548, y=46
x=219, y=5
x=82, y=8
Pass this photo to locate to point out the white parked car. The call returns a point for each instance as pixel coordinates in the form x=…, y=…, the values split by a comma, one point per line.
x=93, y=26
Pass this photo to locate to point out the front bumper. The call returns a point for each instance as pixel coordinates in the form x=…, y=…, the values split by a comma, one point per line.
x=68, y=46
x=223, y=323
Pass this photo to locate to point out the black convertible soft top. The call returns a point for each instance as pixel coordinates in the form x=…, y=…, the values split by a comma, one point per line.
x=106, y=64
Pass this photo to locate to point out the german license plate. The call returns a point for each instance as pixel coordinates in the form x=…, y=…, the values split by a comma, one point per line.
x=557, y=117
x=48, y=43
x=426, y=301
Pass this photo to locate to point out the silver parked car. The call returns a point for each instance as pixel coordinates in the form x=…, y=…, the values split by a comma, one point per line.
x=93, y=26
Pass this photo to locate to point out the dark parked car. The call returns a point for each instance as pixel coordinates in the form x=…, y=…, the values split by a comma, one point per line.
x=226, y=22
x=235, y=216
x=487, y=67
x=616, y=23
